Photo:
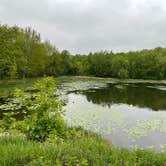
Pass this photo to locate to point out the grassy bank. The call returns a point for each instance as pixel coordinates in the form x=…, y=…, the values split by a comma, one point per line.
x=80, y=149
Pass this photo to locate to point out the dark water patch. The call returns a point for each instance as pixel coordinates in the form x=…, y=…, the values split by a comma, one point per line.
x=140, y=96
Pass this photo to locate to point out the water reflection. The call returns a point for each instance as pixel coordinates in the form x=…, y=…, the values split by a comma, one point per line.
x=143, y=96
x=124, y=125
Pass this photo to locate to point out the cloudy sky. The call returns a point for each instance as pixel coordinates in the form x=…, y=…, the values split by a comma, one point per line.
x=81, y=26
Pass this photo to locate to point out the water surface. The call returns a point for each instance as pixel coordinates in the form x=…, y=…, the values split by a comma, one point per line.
x=128, y=115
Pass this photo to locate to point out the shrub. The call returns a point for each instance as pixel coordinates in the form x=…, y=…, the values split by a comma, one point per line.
x=45, y=112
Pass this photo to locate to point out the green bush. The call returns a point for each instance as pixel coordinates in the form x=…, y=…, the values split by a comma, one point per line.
x=45, y=113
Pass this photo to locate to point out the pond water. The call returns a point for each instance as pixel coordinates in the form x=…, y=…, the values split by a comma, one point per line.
x=128, y=115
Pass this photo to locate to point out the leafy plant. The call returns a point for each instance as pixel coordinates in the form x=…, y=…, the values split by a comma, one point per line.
x=8, y=121
x=45, y=112
x=45, y=118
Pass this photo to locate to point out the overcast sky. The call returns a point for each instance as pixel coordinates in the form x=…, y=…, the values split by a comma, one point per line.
x=81, y=26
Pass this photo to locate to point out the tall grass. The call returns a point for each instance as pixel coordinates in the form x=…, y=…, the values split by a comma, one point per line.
x=86, y=149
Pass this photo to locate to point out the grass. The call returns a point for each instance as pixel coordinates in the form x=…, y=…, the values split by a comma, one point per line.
x=79, y=149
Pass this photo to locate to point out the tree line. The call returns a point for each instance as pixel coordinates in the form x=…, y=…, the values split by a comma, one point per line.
x=24, y=54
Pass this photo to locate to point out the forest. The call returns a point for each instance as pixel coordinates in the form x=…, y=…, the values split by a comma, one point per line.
x=24, y=54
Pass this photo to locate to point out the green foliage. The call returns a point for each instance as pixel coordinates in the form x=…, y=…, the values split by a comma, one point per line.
x=100, y=63
x=45, y=113
x=45, y=118
x=120, y=66
x=8, y=121
x=23, y=54
x=84, y=150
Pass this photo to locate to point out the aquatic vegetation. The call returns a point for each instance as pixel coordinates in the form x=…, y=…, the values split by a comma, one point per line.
x=163, y=147
x=143, y=128
x=81, y=86
x=163, y=126
x=99, y=120
x=107, y=121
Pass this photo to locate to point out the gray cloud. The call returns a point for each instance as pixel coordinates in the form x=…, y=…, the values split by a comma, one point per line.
x=82, y=26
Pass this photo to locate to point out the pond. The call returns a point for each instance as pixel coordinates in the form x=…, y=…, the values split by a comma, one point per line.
x=128, y=115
